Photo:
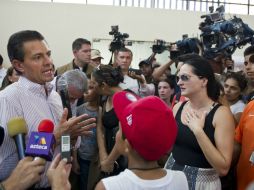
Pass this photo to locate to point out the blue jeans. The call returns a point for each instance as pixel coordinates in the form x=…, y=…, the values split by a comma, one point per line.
x=84, y=171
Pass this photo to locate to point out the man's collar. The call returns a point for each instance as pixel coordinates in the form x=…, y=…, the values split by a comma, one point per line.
x=35, y=87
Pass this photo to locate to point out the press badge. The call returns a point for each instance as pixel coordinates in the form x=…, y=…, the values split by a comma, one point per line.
x=252, y=158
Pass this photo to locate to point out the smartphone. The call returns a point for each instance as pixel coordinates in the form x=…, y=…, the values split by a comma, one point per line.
x=136, y=71
x=66, y=147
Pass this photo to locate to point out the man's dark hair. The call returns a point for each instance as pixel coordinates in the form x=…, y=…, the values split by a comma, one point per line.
x=77, y=44
x=17, y=40
x=124, y=49
x=1, y=59
x=186, y=57
x=249, y=50
x=108, y=74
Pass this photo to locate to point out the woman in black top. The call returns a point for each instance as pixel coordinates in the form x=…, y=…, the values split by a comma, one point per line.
x=204, y=144
x=108, y=79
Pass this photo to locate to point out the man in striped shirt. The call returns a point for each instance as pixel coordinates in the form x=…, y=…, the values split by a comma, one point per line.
x=33, y=99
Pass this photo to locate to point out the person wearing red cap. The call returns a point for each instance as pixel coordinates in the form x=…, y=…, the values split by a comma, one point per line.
x=147, y=132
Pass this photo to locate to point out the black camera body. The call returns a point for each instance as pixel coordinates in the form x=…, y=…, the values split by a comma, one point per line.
x=119, y=39
x=178, y=48
x=136, y=71
x=159, y=46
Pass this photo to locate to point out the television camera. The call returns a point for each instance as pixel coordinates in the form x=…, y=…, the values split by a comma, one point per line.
x=219, y=35
x=118, y=40
x=178, y=48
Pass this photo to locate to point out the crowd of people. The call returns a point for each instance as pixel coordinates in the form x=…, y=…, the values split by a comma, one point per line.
x=151, y=130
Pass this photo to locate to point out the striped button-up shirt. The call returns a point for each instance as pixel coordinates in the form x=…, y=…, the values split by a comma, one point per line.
x=30, y=101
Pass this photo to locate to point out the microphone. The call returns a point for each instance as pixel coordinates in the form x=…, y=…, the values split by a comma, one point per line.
x=17, y=129
x=63, y=91
x=1, y=135
x=41, y=143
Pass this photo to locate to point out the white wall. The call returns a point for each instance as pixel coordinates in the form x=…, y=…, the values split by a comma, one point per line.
x=62, y=23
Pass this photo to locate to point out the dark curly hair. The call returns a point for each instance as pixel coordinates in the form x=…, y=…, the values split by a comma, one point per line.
x=108, y=74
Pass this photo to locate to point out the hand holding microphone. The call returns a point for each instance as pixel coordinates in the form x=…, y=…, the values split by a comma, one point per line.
x=26, y=173
x=41, y=143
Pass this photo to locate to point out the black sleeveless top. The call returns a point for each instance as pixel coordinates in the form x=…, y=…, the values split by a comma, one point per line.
x=186, y=150
x=110, y=123
x=109, y=119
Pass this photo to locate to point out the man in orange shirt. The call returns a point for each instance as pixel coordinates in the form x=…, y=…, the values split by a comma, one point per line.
x=245, y=147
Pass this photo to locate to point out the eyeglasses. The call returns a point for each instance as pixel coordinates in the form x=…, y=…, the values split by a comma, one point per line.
x=185, y=77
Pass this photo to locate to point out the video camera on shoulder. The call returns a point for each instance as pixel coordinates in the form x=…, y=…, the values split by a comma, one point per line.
x=160, y=46
x=118, y=41
x=178, y=48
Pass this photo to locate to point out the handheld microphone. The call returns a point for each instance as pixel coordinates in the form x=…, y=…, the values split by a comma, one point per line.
x=63, y=91
x=17, y=129
x=41, y=143
x=1, y=135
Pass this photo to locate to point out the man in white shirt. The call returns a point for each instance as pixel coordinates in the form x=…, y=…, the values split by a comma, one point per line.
x=33, y=99
x=132, y=81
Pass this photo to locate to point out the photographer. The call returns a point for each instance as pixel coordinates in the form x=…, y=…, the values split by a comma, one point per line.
x=161, y=70
x=132, y=80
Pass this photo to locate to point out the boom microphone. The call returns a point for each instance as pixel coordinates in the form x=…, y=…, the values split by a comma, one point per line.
x=17, y=129
x=41, y=143
x=63, y=91
x=1, y=135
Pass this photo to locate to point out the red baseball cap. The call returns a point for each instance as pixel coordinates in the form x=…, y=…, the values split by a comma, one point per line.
x=147, y=123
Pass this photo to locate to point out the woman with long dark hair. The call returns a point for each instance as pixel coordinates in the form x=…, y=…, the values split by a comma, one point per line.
x=204, y=145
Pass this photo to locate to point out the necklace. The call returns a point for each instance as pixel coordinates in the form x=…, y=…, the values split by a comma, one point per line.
x=210, y=108
x=145, y=169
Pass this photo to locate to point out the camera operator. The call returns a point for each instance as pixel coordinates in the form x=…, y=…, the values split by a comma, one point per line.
x=132, y=81
x=161, y=70
x=133, y=78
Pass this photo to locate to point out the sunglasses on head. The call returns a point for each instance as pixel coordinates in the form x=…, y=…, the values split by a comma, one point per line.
x=184, y=77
